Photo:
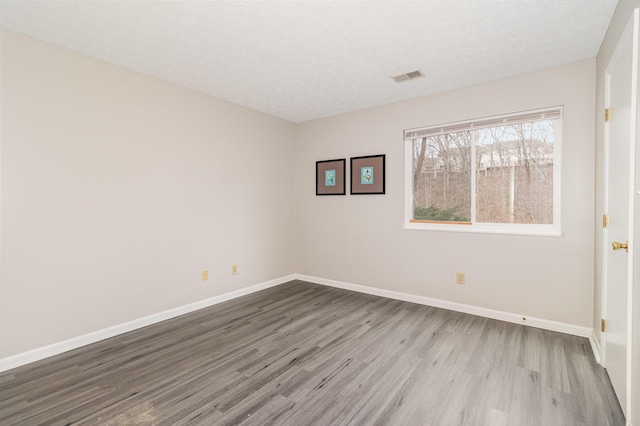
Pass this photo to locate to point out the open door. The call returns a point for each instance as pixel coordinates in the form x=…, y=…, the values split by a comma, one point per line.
x=620, y=140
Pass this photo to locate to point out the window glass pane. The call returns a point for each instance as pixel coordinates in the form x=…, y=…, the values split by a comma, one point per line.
x=514, y=173
x=442, y=177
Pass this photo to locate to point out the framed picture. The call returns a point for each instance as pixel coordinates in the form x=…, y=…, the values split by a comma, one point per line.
x=367, y=174
x=330, y=177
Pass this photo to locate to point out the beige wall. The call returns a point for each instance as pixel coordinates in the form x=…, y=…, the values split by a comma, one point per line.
x=118, y=189
x=361, y=240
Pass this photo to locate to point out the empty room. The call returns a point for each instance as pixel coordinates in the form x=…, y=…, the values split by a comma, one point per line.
x=319, y=212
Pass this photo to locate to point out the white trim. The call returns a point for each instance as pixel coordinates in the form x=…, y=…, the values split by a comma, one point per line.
x=408, y=184
x=86, y=339
x=549, y=113
x=487, y=228
x=631, y=412
x=545, y=324
x=474, y=188
x=606, y=147
x=595, y=346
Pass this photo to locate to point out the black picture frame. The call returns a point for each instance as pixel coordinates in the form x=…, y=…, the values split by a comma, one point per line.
x=368, y=174
x=325, y=170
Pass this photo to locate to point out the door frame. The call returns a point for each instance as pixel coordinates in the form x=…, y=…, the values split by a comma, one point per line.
x=633, y=300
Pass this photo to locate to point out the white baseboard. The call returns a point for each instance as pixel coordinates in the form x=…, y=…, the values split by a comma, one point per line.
x=459, y=307
x=595, y=346
x=76, y=342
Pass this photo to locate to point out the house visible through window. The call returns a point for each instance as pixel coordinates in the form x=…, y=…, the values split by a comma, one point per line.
x=497, y=174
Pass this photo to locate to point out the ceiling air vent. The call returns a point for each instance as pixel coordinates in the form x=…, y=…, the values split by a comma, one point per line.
x=408, y=76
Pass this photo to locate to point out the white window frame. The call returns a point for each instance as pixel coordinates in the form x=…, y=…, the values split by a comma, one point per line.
x=554, y=229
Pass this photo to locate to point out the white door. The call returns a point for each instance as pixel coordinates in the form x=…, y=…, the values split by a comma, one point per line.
x=633, y=358
x=620, y=131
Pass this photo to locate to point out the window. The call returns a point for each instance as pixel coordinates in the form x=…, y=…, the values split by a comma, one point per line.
x=497, y=174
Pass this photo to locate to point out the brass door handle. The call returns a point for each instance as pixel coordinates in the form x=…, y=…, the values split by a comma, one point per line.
x=617, y=246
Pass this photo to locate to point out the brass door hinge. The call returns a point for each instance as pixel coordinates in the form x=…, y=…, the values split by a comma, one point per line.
x=605, y=220
x=607, y=115
x=603, y=325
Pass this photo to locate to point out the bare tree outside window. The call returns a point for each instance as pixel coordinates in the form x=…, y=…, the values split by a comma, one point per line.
x=498, y=173
x=442, y=177
x=514, y=173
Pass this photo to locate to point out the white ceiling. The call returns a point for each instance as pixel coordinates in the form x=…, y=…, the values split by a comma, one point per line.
x=303, y=60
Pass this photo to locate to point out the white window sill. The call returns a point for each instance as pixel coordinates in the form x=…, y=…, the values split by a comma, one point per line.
x=488, y=228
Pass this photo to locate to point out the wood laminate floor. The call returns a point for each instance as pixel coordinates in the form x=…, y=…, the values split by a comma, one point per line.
x=305, y=354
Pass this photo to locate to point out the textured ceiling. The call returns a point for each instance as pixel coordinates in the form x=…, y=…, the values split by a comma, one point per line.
x=302, y=60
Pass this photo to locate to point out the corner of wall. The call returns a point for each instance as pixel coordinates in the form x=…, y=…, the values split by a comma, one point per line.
x=594, y=340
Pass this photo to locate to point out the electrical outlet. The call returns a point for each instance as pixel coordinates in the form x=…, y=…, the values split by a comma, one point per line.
x=460, y=278
x=205, y=275
x=234, y=269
